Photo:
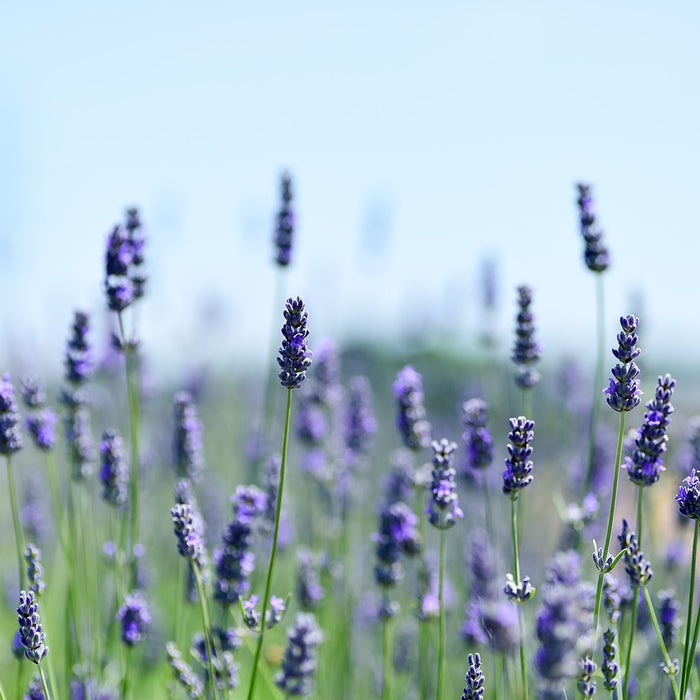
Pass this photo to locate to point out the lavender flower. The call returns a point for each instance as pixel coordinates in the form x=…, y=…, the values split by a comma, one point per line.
x=474, y=679
x=326, y=386
x=309, y=590
x=398, y=535
x=294, y=354
x=518, y=473
x=41, y=420
x=645, y=463
x=411, y=419
x=586, y=685
x=443, y=511
x=623, y=390
x=114, y=472
x=690, y=455
x=187, y=437
x=399, y=482
x=10, y=436
x=124, y=280
x=688, y=496
x=79, y=440
x=225, y=642
x=312, y=426
x=134, y=618
x=637, y=567
x=35, y=571
x=477, y=438
x=669, y=617
x=284, y=228
x=360, y=423
x=35, y=690
x=79, y=362
x=609, y=667
x=31, y=632
x=190, y=542
x=184, y=674
x=596, y=254
x=299, y=665
x=526, y=351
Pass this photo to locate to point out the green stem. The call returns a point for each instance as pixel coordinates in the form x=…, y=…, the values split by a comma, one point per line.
x=19, y=536
x=693, y=647
x=687, y=658
x=386, y=656
x=206, y=624
x=487, y=507
x=640, y=513
x=516, y=574
x=611, y=518
x=633, y=625
x=423, y=632
x=44, y=684
x=441, y=647
x=660, y=639
x=127, y=673
x=597, y=382
x=278, y=511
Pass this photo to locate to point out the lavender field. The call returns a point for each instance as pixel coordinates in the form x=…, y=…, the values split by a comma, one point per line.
x=360, y=520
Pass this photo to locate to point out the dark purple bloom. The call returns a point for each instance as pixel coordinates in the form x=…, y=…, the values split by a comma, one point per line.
x=360, y=423
x=645, y=463
x=595, y=254
x=134, y=618
x=187, y=528
x=690, y=455
x=688, y=496
x=299, y=664
x=79, y=440
x=443, y=510
x=225, y=642
x=284, y=226
x=326, y=390
x=41, y=425
x=623, y=390
x=79, y=362
x=474, y=679
x=294, y=354
x=309, y=589
x=637, y=567
x=518, y=473
x=491, y=621
x=398, y=535
x=668, y=617
x=399, y=482
x=114, y=472
x=35, y=690
x=609, y=667
x=188, y=454
x=124, y=256
x=31, y=632
x=411, y=418
x=312, y=425
x=10, y=436
x=35, y=571
x=526, y=351
x=586, y=685
x=184, y=674
x=477, y=438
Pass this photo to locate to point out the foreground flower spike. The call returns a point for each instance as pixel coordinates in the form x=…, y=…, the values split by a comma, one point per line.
x=411, y=419
x=526, y=351
x=10, y=436
x=114, y=471
x=623, y=390
x=299, y=665
x=294, y=354
x=443, y=511
x=596, y=255
x=31, y=632
x=609, y=667
x=636, y=565
x=134, y=618
x=35, y=571
x=518, y=473
x=646, y=463
x=284, y=227
x=184, y=674
x=474, y=679
x=188, y=455
x=79, y=362
x=476, y=436
x=124, y=256
x=41, y=420
x=586, y=685
x=688, y=496
x=190, y=542
x=360, y=423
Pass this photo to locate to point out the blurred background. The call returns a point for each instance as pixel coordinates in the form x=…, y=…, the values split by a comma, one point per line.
x=427, y=142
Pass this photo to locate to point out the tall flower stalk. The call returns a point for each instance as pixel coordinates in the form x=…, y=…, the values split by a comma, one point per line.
x=294, y=359
x=32, y=635
x=526, y=350
x=623, y=394
x=597, y=260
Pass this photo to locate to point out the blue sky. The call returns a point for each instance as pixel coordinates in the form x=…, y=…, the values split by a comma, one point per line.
x=422, y=137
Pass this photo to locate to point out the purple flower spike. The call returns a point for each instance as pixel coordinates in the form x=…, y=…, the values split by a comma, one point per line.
x=187, y=528
x=360, y=423
x=596, y=255
x=411, y=419
x=284, y=229
x=124, y=256
x=79, y=362
x=398, y=535
x=299, y=665
x=477, y=438
x=646, y=463
x=623, y=390
x=10, y=436
x=134, y=618
x=636, y=565
x=688, y=497
x=518, y=473
x=41, y=420
x=188, y=454
x=294, y=354
x=474, y=678
x=114, y=471
x=526, y=351
x=443, y=511
x=31, y=632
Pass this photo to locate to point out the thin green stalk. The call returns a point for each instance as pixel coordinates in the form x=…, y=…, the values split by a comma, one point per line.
x=2, y=693
x=206, y=624
x=441, y=647
x=687, y=658
x=611, y=518
x=56, y=502
x=278, y=511
x=44, y=684
x=126, y=661
x=693, y=647
x=633, y=625
x=597, y=382
x=516, y=573
x=19, y=536
x=386, y=656
x=640, y=514
x=423, y=639
x=660, y=639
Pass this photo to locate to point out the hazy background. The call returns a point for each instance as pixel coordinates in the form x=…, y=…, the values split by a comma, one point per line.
x=423, y=138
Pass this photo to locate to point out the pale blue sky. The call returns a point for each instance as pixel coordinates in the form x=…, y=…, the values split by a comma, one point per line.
x=449, y=130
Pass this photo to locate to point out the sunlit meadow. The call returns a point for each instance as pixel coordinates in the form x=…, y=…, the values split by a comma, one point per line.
x=359, y=521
